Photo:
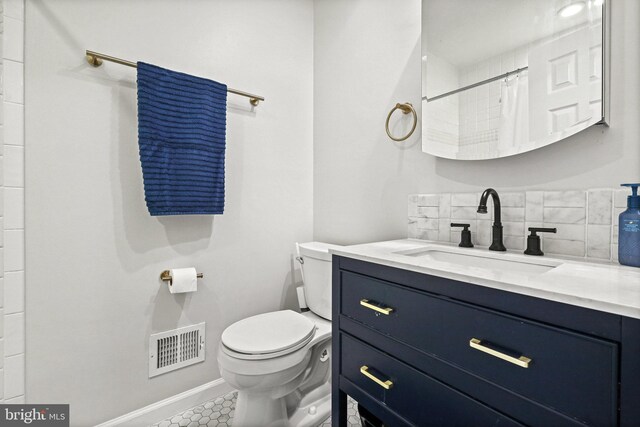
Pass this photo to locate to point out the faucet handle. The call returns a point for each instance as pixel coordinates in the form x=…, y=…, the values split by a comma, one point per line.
x=535, y=230
x=465, y=226
x=533, y=240
x=465, y=235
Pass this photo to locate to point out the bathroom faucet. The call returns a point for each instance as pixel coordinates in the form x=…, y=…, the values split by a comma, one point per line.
x=496, y=233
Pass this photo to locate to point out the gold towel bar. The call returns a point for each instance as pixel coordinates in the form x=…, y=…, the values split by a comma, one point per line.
x=96, y=59
x=166, y=276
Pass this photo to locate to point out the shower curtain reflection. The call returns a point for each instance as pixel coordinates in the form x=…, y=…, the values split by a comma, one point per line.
x=513, y=128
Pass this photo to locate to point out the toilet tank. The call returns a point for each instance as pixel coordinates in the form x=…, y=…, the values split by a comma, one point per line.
x=316, y=275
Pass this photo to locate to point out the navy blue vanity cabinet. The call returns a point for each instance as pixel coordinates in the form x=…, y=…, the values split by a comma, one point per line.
x=422, y=350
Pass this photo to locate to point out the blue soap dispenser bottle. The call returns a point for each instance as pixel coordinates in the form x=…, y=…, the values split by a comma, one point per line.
x=629, y=232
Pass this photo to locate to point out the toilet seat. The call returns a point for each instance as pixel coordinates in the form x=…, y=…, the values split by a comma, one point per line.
x=268, y=335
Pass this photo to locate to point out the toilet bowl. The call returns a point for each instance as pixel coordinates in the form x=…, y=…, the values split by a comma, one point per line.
x=280, y=361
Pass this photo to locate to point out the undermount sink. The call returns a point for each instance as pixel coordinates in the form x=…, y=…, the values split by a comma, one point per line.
x=483, y=260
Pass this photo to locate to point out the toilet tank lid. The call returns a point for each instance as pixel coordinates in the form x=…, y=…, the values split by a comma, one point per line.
x=318, y=250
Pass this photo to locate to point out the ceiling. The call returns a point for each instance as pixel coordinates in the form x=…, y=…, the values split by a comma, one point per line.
x=465, y=32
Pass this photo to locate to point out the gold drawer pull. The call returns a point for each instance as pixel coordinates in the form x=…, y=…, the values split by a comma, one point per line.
x=521, y=361
x=364, y=370
x=383, y=310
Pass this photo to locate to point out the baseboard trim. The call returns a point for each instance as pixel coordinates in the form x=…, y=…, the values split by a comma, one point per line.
x=170, y=406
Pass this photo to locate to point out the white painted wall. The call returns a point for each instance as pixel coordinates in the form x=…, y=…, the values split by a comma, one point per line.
x=94, y=253
x=367, y=58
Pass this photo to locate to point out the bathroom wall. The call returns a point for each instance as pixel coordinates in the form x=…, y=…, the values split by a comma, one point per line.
x=12, y=311
x=367, y=58
x=94, y=253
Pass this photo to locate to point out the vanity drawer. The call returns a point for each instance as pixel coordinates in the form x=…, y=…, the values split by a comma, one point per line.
x=421, y=399
x=572, y=373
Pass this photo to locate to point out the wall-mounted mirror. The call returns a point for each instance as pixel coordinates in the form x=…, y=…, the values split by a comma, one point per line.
x=502, y=77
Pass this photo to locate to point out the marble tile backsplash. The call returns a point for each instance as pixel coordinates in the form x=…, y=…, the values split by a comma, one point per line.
x=586, y=220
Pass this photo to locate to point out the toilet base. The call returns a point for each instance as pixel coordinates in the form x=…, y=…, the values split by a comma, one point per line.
x=306, y=403
x=313, y=413
x=263, y=411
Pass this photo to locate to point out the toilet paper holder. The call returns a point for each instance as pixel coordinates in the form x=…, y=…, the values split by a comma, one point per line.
x=165, y=276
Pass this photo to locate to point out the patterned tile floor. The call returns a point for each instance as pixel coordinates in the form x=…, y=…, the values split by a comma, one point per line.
x=214, y=413
x=353, y=419
x=219, y=413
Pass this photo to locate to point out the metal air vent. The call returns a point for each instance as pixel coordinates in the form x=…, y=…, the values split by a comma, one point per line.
x=176, y=349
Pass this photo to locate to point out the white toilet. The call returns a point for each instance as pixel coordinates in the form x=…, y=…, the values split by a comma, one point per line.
x=280, y=361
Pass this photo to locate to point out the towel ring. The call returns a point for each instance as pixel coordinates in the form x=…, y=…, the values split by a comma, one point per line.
x=406, y=108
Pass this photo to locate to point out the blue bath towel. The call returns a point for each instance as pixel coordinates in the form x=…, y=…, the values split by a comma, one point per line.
x=181, y=134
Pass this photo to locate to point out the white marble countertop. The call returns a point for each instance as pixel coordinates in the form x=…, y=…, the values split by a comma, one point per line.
x=605, y=287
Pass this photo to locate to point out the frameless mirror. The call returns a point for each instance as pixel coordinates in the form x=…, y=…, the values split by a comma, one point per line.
x=502, y=77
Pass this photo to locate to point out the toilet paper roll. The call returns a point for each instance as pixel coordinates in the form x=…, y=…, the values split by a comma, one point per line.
x=183, y=280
